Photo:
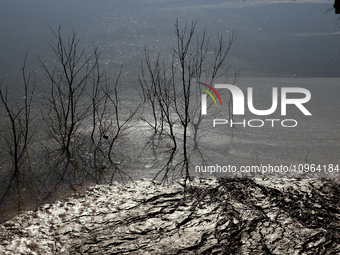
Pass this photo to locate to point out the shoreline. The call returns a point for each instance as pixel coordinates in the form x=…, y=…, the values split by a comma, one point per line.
x=215, y=216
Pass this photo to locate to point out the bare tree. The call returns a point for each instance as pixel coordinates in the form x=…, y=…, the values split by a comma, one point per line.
x=65, y=109
x=82, y=112
x=149, y=92
x=171, y=88
x=18, y=136
x=109, y=125
x=158, y=90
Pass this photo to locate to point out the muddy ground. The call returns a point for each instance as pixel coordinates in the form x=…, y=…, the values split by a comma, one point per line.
x=214, y=216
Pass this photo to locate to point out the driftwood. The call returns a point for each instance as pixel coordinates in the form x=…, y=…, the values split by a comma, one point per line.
x=215, y=216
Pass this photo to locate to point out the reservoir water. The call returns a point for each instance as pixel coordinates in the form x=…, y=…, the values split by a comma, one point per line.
x=281, y=43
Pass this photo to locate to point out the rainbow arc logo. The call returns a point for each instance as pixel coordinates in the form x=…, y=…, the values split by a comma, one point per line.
x=208, y=92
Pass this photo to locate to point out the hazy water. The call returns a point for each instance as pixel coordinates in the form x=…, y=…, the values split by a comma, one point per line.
x=274, y=39
x=314, y=140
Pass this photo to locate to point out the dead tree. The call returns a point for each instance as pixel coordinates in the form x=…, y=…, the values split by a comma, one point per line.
x=82, y=114
x=18, y=136
x=65, y=108
x=170, y=87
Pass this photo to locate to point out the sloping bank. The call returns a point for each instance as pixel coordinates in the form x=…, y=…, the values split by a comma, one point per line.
x=238, y=216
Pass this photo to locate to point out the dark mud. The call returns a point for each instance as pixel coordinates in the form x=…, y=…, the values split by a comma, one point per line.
x=226, y=216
